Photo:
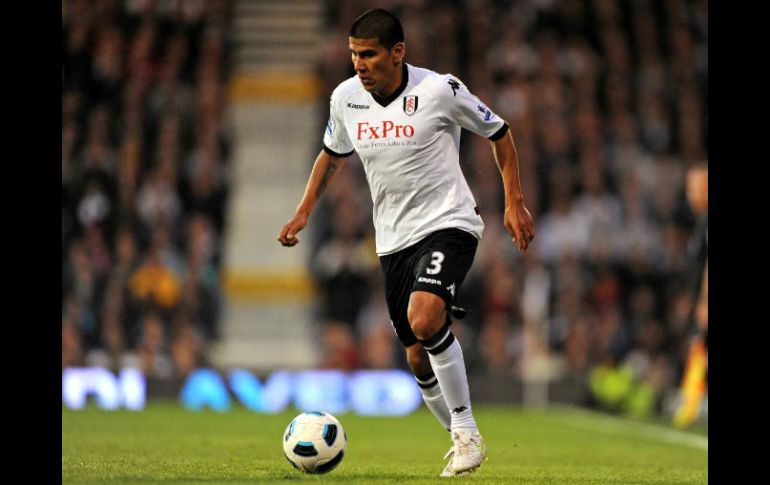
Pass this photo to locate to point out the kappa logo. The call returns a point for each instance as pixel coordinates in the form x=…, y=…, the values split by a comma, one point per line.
x=358, y=106
x=410, y=104
x=451, y=289
x=432, y=281
x=455, y=86
x=459, y=410
x=330, y=126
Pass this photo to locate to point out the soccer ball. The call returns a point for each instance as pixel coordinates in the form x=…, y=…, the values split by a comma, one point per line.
x=314, y=442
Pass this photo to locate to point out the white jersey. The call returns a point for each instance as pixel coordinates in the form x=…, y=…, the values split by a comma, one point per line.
x=409, y=146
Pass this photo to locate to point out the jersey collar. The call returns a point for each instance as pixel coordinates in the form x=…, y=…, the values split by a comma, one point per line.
x=384, y=102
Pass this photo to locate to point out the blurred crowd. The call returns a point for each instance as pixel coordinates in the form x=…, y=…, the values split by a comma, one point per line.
x=607, y=103
x=145, y=153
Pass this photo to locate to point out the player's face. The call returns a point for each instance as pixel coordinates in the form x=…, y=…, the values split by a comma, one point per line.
x=378, y=68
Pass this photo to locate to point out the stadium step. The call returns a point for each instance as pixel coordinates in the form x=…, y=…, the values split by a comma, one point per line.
x=275, y=116
x=263, y=336
x=277, y=31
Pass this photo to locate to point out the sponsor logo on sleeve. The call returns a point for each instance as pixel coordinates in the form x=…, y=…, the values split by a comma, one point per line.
x=486, y=112
x=330, y=126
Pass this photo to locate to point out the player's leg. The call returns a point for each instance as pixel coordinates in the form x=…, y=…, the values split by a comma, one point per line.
x=428, y=318
x=398, y=273
x=429, y=321
x=444, y=260
x=418, y=361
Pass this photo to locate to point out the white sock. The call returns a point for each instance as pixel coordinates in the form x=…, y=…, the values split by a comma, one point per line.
x=446, y=358
x=434, y=399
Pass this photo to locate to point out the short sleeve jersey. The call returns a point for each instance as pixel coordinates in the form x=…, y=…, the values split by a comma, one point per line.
x=409, y=146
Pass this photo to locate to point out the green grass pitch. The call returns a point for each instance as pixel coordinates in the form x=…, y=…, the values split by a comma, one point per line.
x=167, y=444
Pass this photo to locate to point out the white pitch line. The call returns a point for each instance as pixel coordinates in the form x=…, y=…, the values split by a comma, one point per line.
x=588, y=420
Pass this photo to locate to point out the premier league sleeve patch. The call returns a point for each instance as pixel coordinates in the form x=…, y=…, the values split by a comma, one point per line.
x=485, y=112
x=410, y=105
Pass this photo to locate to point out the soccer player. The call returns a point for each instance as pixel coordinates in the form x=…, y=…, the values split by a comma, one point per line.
x=405, y=122
x=695, y=379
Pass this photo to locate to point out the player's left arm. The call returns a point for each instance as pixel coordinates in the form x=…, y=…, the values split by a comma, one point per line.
x=517, y=219
x=469, y=112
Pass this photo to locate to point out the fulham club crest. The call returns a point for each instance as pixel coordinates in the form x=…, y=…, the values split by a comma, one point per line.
x=410, y=105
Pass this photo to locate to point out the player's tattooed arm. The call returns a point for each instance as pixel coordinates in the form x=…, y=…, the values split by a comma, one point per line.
x=327, y=175
x=324, y=170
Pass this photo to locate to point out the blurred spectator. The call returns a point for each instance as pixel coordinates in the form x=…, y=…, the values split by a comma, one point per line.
x=156, y=284
x=200, y=294
x=187, y=348
x=158, y=200
x=343, y=267
x=379, y=348
x=152, y=351
x=72, y=352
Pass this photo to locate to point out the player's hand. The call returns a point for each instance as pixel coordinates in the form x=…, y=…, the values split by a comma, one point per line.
x=288, y=235
x=520, y=225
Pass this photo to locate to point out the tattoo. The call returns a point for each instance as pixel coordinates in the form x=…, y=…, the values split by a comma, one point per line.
x=330, y=169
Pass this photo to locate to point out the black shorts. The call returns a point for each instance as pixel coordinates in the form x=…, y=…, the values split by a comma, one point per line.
x=437, y=264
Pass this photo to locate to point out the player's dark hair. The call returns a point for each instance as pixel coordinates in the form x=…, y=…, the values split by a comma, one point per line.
x=378, y=24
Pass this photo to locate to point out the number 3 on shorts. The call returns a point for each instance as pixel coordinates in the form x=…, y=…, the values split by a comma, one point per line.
x=435, y=262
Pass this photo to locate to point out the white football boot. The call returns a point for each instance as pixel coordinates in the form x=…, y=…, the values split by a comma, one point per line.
x=467, y=454
x=448, y=471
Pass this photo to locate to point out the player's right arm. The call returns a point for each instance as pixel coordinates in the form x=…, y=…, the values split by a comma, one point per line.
x=324, y=171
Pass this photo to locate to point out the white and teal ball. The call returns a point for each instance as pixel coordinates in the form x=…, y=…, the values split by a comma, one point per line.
x=314, y=442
